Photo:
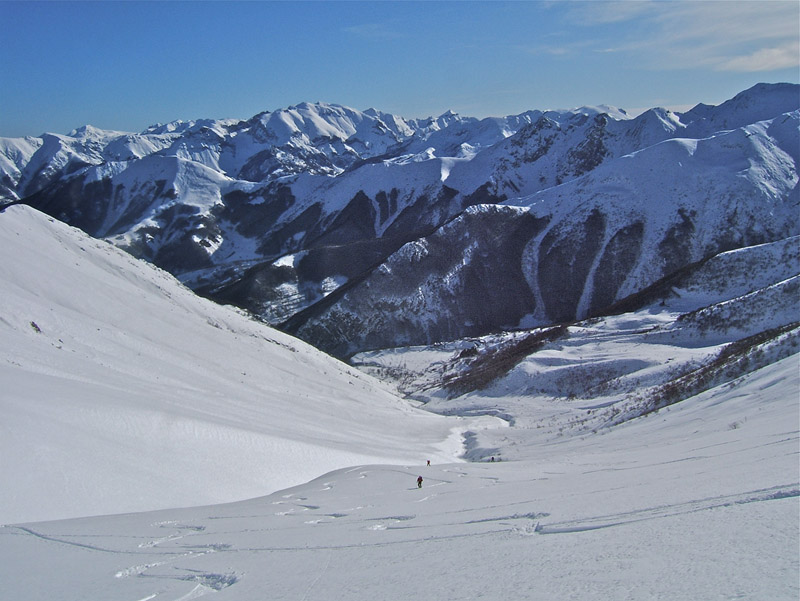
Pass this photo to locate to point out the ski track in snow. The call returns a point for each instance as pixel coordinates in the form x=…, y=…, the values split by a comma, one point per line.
x=320, y=574
x=625, y=518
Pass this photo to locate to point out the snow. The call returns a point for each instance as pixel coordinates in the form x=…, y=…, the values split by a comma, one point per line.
x=738, y=272
x=700, y=503
x=123, y=391
x=15, y=153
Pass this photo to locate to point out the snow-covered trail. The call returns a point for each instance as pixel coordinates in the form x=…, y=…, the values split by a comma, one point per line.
x=679, y=505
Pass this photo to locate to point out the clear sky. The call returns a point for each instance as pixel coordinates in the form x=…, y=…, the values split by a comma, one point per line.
x=128, y=65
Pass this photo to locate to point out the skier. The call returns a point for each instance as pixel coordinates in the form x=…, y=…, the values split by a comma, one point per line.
x=419, y=482
x=429, y=461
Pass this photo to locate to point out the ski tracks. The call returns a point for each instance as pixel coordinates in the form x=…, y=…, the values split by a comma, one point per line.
x=205, y=582
x=651, y=513
x=319, y=576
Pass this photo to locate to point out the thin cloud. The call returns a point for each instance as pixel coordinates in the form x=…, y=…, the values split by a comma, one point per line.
x=765, y=59
x=720, y=35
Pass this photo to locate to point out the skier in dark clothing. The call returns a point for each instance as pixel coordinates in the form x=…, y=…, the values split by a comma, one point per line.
x=419, y=482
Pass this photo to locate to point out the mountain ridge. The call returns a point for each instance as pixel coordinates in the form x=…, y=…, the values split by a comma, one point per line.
x=276, y=213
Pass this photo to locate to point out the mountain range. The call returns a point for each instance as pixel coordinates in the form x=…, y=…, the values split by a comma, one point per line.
x=361, y=230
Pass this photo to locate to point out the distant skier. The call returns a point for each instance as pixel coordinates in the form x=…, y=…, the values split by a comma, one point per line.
x=419, y=482
x=429, y=461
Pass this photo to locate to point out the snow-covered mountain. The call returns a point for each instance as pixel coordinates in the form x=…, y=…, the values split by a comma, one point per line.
x=358, y=230
x=124, y=391
x=573, y=250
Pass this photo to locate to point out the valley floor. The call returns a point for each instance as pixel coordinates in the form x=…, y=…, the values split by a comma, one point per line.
x=698, y=502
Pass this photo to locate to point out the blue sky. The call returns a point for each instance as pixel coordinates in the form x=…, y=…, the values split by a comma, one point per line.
x=128, y=65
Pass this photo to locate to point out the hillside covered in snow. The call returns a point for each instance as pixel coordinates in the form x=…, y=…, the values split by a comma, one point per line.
x=124, y=391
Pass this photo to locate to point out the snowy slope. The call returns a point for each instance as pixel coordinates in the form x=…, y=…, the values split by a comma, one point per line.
x=123, y=391
x=691, y=199
x=697, y=503
x=759, y=103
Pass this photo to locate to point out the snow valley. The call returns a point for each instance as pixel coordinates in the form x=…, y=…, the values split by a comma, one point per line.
x=587, y=323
